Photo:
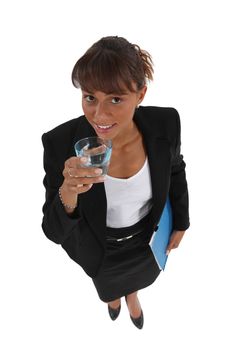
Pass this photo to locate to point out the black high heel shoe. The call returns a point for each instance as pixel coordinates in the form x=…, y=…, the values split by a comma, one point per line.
x=137, y=321
x=114, y=313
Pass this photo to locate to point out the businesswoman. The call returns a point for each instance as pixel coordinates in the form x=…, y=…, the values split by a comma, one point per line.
x=105, y=223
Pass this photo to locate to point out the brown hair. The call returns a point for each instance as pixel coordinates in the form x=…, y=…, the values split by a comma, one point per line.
x=110, y=65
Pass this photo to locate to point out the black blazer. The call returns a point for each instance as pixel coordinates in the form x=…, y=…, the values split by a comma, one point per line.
x=82, y=234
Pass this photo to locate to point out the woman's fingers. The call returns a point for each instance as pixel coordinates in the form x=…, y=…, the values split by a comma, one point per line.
x=80, y=188
x=175, y=240
x=80, y=179
x=82, y=172
x=74, y=168
x=84, y=180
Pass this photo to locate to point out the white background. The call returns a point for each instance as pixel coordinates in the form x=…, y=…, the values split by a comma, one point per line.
x=47, y=301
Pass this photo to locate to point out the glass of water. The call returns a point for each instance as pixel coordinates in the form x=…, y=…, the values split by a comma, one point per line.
x=97, y=151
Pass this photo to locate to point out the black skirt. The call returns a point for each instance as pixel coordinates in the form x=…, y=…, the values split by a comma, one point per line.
x=129, y=265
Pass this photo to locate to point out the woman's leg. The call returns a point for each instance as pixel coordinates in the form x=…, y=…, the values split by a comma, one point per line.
x=133, y=305
x=115, y=303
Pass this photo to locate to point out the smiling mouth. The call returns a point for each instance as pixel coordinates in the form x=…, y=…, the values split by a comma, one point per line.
x=105, y=127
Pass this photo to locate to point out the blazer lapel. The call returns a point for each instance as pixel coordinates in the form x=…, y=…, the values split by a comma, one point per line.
x=159, y=158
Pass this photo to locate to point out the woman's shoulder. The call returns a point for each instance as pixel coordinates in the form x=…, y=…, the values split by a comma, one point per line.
x=158, y=111
x=160, y=122
x=66, y=127
x=60, y=138
x=159, y=117
x=65, y=131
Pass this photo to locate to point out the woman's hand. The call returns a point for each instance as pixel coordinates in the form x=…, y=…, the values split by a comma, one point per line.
x=78, y=179
x=175, y=240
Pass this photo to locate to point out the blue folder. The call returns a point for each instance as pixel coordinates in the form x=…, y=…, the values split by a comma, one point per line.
x=160, y=238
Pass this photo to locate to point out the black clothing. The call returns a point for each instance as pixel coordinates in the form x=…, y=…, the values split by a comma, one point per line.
x=128, y=265
x=83, y=234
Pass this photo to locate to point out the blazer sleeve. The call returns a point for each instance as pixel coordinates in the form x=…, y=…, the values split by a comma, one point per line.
x=56, y=223
x=178, y=192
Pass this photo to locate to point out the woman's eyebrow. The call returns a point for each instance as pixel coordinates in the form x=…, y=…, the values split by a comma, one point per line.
x=118, y=93
x=88, y=92
x=112, y=93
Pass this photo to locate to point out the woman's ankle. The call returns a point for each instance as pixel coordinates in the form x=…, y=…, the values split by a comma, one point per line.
x=115, y=303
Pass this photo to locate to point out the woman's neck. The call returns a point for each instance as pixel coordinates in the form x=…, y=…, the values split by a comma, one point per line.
x=123, y=142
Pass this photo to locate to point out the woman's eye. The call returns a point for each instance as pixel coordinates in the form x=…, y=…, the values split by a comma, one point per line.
x=116, y=100
x=89, y=98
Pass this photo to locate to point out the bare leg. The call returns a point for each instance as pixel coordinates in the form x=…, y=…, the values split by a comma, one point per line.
x=134, y=305
x=115, y=303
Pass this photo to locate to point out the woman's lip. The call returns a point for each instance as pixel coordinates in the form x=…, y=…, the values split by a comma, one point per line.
x=104, y=130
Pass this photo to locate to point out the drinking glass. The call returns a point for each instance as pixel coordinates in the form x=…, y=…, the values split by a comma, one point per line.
x=97, y=151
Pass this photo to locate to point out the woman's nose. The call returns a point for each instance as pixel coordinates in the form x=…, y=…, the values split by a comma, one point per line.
x=101, y=111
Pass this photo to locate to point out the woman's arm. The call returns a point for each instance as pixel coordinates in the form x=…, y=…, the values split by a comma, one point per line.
x=178, y=192
x=57, y=223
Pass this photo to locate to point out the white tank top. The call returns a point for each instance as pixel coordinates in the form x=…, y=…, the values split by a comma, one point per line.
x=128, y=200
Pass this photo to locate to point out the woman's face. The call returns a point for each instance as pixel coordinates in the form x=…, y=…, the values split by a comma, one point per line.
x=111, y=115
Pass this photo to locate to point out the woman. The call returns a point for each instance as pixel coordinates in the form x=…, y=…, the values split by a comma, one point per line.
x=105, y=223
